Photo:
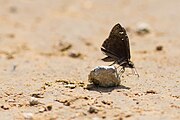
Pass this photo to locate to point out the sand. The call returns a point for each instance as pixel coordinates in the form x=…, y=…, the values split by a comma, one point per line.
x=48, y=48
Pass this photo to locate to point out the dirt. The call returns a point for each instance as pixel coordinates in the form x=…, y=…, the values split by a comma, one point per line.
x=48, y=48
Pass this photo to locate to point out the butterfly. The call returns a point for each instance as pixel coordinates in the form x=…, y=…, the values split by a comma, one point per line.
x=116, y=48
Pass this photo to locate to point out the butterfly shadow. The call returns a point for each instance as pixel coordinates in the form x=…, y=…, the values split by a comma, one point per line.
x=92, y=87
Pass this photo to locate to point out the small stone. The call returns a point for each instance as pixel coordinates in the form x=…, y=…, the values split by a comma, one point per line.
x=34, y=101
x=10, y=56
x=37, y=95
x=151, y=92
x=63, y=81
x=42, y=109
x=71, y=86
x=5, y=107
x=49, y=107
x=48, y=84
x=106, y=102
x=13, y=9
x=65, y=102
x=45, y=108
x=81, y=84
x=104, y=76
x=92, y=110
x=142, y=29
x=127, y=116
x=63, y=46
x=28, y=116
x=159, y=48
x=11, y=100
x=10, y=35
x=74, y=55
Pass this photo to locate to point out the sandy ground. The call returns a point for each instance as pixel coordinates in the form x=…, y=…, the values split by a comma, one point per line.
x=48, y=48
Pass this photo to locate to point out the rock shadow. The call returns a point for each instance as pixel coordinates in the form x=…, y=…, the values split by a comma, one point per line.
x=92, y=87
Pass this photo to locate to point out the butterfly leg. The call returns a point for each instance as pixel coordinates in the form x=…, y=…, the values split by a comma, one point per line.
x=113, y=63
x=133, y=71
x=122, y=70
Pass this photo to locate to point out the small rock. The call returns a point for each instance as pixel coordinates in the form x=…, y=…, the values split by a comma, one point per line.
x=106, y=102
x=65, y=102
x=137, y=94
x=48, y=84
x=127, y=116
x=10, y=56
x=37, y=95
x=13, y=9
x=75, y=55
x=159, y=48
x=45, y=108
x=49, y=107
x=63, y=46
x=63, y=81
x=81, y=84
x=11, y=35
x=11, y=100
x=34, y=101
x=42, y=109
x=142, y=29
x=104, y=76
x=28, y=116
x=151, y=92
x=71, y=86
x=5, y=107
x=92, y=110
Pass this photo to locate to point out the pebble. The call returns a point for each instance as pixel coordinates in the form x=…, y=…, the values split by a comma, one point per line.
x=28, y=116
x=159, y=48
x=42, y=109
x=142, y=28
x=104, y=76
x=5, y=107
x=75, y=55
x=34, y=101
x=49, y=107
x=37, y=95
x=11, y=100
x=92, y=110
x=71, y=86
x=151, y=92
x=63, y=46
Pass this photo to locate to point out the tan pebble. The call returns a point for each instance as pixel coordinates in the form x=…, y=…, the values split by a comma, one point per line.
x=28, y=116
x=34, y=101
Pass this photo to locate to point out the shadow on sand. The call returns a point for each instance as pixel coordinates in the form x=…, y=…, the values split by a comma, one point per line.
x=93, y=87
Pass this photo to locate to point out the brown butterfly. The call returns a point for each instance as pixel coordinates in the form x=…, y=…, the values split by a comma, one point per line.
x=117, y=49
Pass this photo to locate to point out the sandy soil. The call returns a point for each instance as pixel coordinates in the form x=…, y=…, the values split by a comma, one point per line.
x=47, y=49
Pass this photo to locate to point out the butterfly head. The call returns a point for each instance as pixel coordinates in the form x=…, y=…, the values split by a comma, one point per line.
x=131, y=64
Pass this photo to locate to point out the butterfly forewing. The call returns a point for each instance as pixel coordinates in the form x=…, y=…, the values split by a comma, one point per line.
x=117, y=43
